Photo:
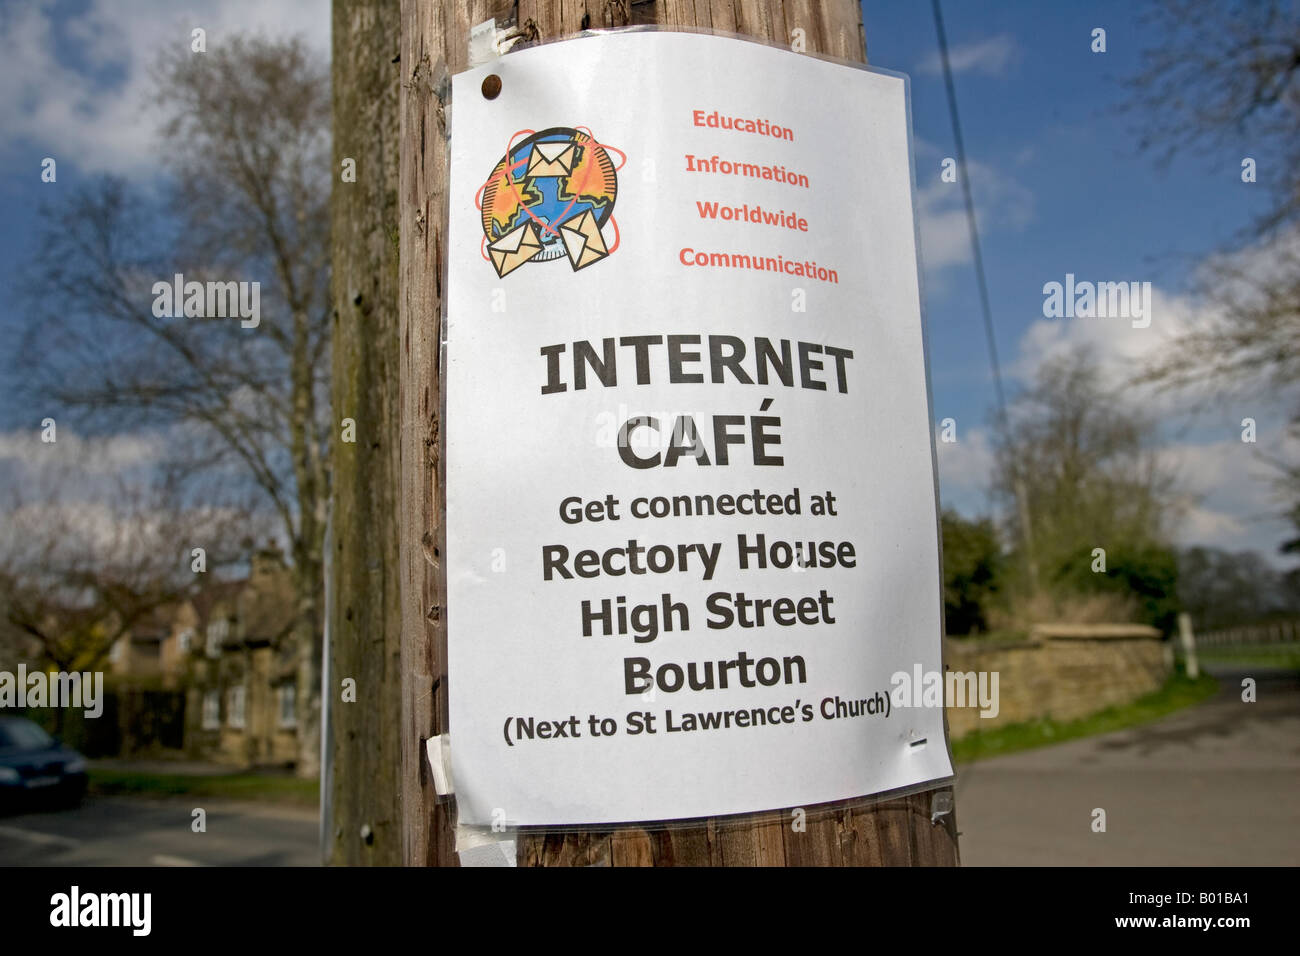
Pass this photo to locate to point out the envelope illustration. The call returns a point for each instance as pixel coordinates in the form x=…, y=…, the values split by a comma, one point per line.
x=551, y=159
x=514, y=248
x=583, y=241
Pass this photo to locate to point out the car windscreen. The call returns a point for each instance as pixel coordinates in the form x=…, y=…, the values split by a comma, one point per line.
x=23, y=735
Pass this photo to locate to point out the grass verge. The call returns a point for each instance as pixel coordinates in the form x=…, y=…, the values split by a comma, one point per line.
x=1179, y=692
x=1285, y=656
x=263, y=788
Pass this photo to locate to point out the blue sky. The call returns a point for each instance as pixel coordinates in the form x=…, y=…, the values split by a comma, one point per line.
x=1038, y=114
x=1059, y=186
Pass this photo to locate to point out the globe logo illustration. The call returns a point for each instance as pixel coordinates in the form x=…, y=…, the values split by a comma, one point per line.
x=551, y=196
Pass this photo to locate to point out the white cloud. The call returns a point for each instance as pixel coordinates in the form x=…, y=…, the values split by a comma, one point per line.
x=1123, y=352
x=1229, y=486
x=70, y=113
x=69, y=483
x=965, y=469
x=98, y=528
x=990, y=56
x=101, y=497
x=1232, y=497
x=106, y=534
x=945, y=237
x=109, y=455
x=1001, y=202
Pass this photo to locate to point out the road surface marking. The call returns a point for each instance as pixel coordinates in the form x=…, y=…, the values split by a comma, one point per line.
x=42, y=839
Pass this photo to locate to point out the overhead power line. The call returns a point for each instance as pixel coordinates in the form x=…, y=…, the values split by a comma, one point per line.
x=963, y=174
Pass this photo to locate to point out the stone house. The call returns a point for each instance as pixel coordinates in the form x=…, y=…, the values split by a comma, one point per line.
x=241, y=672
x=138, y=654
x=213, y=675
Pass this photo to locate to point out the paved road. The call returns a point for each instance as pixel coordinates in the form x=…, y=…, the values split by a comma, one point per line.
x=1216, y=784
x=134, y=831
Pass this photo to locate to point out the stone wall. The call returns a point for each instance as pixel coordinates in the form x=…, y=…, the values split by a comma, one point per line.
x=1063, y=671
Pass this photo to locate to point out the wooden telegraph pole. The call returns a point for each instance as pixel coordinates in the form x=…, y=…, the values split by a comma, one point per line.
x=434, y=42
x=362, y=818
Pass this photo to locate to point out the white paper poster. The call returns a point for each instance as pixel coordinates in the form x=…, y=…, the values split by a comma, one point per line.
x=691, y=517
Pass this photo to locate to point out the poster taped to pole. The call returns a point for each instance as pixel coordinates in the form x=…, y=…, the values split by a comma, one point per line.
x=691, y=507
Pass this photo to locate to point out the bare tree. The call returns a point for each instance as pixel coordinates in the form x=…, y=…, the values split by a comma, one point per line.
x=78, y=572
x=1225, y=77
x=1088, y=467
x=247, y=147
x=1249, y=338
x=1223, y=589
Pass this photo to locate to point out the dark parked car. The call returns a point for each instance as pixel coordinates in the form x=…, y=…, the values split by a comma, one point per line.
x=36, y=770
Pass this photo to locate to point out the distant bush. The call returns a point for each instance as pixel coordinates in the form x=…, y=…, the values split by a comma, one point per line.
x=1224, y=588
x=1148, y=574
x=972, y=567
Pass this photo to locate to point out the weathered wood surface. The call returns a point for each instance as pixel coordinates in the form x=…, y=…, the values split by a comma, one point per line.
x=361, y=742
x=857, y=833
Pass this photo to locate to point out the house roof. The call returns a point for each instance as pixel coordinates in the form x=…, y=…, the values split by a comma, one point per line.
x=261, y=605
x=266, y=607
x=154, y=625
x=214, y=595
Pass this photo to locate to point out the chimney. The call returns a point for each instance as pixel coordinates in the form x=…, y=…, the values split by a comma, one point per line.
x=266, y=561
